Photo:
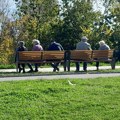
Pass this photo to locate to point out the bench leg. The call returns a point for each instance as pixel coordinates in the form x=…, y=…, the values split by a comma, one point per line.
x=113, y=63
x=68, y=65
x=16, y=66
x=64, y=66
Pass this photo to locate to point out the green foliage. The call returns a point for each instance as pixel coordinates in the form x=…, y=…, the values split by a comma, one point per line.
x=115, y=38
x=41, y=14
x=77, y=17
x=65, y=22
x=92, y=99
x=6, y=45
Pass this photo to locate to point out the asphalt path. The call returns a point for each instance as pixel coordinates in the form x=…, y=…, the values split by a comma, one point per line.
x=59, y=76
x=52, y=77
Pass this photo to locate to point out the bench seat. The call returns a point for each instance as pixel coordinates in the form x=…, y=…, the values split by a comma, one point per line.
x=91, y=56
x=102, y=55
x=40, y=57
x=66, y=57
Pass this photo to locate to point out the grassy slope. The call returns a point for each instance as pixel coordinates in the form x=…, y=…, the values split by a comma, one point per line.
x=90, y=99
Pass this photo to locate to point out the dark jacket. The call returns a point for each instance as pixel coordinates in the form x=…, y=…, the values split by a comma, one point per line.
x=55, y=46
x=20, y=48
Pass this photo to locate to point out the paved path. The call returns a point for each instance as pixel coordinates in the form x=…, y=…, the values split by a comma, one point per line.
x=51, y=77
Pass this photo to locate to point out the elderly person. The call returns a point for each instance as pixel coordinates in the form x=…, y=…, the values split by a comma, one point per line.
x=36, y=47
x=103, y=46
x=53, y=47
x=82, y=45
x=21, y=47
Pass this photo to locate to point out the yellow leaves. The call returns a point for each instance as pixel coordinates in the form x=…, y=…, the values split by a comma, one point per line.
x=6, y=50
x=86, y=30
x=108, y=32
x=34, y=23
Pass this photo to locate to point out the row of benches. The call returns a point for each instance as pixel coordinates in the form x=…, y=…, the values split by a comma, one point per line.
x=66, y=57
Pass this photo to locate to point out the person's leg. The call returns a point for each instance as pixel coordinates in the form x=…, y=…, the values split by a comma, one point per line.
x=23, y=67
x=36, y=67
x=77, y=66
x=97, y=65
x=19, y=68
x=85, y=66
x=30, y=66
x=55, y=66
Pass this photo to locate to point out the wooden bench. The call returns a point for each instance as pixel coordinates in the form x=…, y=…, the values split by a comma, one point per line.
x=30, y=56
x=79, y=56
x=66, y=57
x=40, y=57
x=91, y=56
x=104, y=56
x=54, y=56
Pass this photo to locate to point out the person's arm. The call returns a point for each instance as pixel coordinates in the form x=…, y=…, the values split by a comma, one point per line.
x=89, y=47
x=61, y=47
x=77, y=46
x=108, y=47
x=25, y=49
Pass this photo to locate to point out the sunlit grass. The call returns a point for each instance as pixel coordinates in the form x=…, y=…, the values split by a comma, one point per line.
x=89, y=99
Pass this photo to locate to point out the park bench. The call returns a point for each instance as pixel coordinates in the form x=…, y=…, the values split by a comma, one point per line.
x=30, y=56
x=91, y=56
x=66, y=57
x=78, y=56
x=39, y=57
x=104, y=56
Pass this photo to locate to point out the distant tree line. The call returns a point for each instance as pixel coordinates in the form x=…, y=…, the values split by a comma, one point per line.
x=65, y=21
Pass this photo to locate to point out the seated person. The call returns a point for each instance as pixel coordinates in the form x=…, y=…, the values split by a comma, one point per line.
x=103, y=46
x=21, y=47
x=55, y=46
x=82, y=45
x=36, y=47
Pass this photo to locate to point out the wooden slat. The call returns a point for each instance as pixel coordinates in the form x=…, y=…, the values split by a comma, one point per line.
x=30, y=55
x=53, y=55
x=84, y=55
x=101, y=54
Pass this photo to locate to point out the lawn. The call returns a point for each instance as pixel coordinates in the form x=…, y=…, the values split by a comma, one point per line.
x=89, y=99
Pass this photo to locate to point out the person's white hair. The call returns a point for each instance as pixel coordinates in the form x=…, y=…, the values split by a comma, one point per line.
x=21, y=43
x=84, y=38
x=35, y=41
x=102, y=42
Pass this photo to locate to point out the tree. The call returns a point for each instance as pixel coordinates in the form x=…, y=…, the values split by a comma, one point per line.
x=6, y=41
x=115, y=17
x=6, y=45
x=41, y=14
x=77, y=18
x=4, y=14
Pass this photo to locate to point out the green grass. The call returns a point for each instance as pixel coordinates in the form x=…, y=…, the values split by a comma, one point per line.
x=89, y=99
x=7, y=66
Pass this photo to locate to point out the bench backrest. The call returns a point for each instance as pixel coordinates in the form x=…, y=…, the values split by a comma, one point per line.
x=80, y=55
x=83, y=55
x=34, y=56
x=53, y=55
x=30, y=56
x=101, y=54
